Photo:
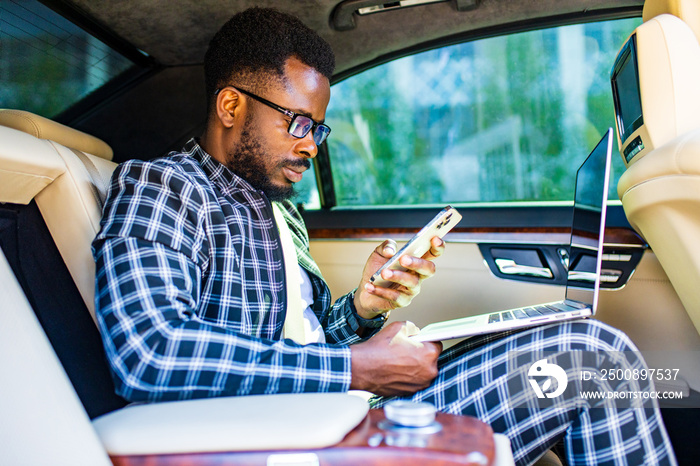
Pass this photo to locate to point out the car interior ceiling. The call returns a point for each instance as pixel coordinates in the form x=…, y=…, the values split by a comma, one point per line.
x=134, y=118
x=374, y=35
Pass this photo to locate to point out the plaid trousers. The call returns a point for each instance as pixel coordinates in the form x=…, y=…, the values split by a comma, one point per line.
x=477, y=378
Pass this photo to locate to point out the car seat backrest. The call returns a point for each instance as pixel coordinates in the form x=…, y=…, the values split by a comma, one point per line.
x=43, y=128
x=660, y=190
x=67, y=173
x=50, y=209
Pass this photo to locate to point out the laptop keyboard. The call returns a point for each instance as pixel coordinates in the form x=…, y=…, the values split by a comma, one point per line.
x=533, y=311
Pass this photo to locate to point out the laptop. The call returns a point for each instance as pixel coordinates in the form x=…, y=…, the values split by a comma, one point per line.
x=583, y=263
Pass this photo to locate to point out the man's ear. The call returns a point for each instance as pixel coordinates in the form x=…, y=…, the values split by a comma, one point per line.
x=228, y=106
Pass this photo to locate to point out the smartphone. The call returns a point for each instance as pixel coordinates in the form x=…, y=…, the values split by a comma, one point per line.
x=443, y=222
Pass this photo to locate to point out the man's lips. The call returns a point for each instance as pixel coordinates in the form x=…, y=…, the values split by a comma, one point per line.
x=293, y=174
x=293, y=171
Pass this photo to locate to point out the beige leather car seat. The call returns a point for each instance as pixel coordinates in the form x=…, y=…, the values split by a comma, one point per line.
x=67, y=173
x=660, y=190
x=43, y=420
x=68, y=184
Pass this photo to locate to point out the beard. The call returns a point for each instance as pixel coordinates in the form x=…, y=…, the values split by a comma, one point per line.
x=247, y=160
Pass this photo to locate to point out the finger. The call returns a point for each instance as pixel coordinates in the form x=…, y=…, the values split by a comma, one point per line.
x=387, y=248
x=423, y=267
x=411, y=328
x=393, y=297
x=437, y=246
x=437, y=346
x=409, y=280
x=402, y=337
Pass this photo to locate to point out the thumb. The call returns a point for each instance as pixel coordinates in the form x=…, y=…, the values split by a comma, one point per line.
x=407, y=329
x=387, y=249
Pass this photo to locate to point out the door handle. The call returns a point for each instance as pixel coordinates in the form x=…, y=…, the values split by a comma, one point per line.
x=582, y=276
x=606, y=275
x=510, y=267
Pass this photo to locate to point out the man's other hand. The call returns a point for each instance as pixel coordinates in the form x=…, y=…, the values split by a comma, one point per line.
x=371, y=300
x=390, y=363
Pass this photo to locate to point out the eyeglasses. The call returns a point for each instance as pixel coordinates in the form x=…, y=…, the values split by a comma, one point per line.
x=300, y=125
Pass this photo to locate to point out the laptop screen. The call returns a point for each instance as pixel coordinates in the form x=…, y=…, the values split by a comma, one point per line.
x=588, y=224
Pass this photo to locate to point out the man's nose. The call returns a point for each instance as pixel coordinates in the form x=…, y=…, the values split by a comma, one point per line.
x=306, y=146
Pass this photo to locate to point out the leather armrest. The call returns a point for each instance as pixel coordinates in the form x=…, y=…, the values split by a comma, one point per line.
x=249, y=423
x=504, y=456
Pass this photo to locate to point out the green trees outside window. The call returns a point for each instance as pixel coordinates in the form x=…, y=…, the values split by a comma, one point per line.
x=500, y=120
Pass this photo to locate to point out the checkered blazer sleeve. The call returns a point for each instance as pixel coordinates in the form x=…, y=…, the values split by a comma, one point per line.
x=151, y=268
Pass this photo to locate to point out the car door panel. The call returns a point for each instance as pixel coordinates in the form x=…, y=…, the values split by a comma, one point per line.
x=646, y=307
x=463, y=285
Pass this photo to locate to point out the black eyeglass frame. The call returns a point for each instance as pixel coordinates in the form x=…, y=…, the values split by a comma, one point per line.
x=290, y=114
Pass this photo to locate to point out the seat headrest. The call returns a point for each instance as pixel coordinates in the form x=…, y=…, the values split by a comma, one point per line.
x=687, y=10
x=43, y=128
x=668, y=61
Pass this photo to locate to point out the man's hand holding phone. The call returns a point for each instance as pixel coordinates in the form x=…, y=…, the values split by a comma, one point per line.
x=372, y=300
x=392, y=279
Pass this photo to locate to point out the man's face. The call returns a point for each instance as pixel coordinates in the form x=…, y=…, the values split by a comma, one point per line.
x=266, y=155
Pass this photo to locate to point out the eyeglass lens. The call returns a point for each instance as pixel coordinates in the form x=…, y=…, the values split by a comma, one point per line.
x=301, y=125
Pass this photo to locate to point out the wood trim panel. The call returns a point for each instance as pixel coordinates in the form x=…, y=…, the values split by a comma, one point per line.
x=616, y=236
x=463, y=440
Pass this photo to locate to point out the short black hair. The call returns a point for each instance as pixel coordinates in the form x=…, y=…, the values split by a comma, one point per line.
x=253, y=46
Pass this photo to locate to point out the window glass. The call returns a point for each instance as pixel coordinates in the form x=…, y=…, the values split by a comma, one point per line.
x=307, y=191
x=500, y=120
x=46, y=62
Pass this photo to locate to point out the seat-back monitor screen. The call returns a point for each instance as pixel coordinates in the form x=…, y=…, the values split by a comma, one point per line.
x=626, y=95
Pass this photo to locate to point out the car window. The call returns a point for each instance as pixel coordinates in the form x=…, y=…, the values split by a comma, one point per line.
x=505, y=119
x=307, y=194
x=48, y=63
